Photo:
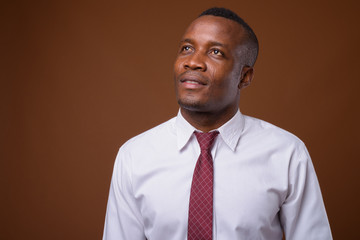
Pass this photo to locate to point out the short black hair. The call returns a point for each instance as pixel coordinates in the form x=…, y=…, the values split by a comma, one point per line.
x=251, y=40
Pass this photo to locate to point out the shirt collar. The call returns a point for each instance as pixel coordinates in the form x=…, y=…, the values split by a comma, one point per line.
x=184, y=130
x=232, y=129
x=230, y=132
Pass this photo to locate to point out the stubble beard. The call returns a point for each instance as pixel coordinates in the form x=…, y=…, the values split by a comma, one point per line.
x=194, y=105
x=191, y=105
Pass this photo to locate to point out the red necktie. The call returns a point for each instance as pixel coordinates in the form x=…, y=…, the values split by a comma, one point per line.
x=201, y=198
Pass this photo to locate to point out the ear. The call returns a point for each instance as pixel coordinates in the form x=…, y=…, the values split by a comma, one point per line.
x=247, y=74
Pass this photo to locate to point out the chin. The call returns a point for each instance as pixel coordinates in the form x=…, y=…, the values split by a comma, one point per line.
x=192, y=105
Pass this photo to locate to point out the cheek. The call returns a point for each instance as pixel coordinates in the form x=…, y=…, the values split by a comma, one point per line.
x=178, y=65
x=221, y=77
x=225, y=83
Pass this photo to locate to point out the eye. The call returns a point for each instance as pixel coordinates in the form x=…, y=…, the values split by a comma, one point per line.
x=216, y=52
x=186, y=48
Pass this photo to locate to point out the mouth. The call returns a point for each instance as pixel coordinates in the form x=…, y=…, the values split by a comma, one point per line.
x=192, y=79
x=192, y=84
x=189, y=81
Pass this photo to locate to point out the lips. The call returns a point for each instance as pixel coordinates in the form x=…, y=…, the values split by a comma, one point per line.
x=192, y=79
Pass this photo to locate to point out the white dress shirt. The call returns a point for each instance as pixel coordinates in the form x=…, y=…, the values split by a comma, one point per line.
x=264, y=184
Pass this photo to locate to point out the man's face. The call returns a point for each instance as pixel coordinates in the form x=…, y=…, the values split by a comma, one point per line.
x=207, y=69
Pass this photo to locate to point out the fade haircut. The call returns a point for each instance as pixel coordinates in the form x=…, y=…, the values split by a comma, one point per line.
x=250, y=40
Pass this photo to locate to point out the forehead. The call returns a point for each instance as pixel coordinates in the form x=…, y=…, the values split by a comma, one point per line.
x=215, y=29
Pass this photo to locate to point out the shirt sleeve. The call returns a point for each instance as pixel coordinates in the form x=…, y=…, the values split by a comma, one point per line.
x=303, y=214
x=123, y=218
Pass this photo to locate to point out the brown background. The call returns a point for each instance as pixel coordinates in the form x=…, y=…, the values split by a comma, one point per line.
x=78, y=78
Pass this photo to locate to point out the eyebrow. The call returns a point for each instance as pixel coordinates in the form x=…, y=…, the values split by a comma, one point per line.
x=211, y=43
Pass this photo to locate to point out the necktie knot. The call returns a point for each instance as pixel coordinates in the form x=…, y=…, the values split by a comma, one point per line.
x=206, y=140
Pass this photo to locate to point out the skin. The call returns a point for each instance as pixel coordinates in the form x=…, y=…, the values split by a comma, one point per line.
x=209, y=71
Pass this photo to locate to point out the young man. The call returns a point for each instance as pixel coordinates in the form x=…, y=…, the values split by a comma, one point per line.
x=252, y=180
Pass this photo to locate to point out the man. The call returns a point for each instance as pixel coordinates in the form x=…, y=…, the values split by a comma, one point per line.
x=251, y=181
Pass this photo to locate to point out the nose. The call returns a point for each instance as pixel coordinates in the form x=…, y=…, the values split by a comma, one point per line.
x=195, y=62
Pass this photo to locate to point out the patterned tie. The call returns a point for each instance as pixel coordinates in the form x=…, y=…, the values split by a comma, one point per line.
x=201, y=198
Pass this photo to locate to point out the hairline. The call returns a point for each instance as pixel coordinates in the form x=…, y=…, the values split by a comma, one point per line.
x=249, y=40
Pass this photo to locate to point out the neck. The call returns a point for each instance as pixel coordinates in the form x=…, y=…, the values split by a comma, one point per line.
x=207, y=121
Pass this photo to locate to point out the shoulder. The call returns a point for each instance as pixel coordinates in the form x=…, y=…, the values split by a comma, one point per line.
x=265, y=133
x=154, y=136
x=147, y=147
